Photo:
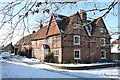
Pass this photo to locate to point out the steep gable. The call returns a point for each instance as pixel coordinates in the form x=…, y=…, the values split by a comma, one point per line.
x=100, y=23
x=75, y=22
x=62, y=22
x=53, y=27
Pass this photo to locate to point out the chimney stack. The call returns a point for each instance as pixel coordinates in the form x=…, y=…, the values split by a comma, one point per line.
x=41, y=25
x=83, y=15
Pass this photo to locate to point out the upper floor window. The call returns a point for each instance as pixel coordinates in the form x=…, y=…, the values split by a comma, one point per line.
x=103, y=54
x=45, y=41
x=76, y=40
x=76, y=54
x=38, y=42
x=50, y=39
x=76, y=25
x=56, y=52
x=32, y=42
x=101, y=30
x=102, y=41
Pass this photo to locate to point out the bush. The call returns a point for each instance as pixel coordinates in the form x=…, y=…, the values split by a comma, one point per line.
x=73, y=61
x=65, y=62
x=49, y=57
x=22, y=53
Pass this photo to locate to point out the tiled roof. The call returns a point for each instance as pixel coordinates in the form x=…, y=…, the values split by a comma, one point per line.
x=115, y=48
x=41, y=33
x=26, y=39
x=62, y=22
x=117, y=41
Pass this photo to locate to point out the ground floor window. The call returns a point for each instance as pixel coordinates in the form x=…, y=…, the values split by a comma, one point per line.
x=103, y=54
x=32, y=53
x=76, y=54
x=56, y=52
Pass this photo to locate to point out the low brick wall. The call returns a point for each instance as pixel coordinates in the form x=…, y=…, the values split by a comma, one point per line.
x=86, y=67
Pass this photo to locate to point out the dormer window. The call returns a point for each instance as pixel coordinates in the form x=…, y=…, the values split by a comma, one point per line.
x=101, y=30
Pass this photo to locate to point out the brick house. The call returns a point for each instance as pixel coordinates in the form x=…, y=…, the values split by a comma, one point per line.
x=115, y=50
x=73, y=38
x=24, y=45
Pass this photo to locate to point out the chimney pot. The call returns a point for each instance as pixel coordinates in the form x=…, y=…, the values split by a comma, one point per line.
x=83, y=15
x=34, y=31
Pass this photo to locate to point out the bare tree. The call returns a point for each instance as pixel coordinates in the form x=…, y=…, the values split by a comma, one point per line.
x=16, y=15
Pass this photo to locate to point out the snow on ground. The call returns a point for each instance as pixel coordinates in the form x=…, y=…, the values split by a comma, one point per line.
x=97, y=73
x=21, y=67
x=10, y=70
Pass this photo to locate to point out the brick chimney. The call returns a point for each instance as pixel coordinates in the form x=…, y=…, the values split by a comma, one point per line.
x=83, y=15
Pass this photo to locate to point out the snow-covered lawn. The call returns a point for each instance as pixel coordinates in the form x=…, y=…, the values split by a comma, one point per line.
x=21, y=67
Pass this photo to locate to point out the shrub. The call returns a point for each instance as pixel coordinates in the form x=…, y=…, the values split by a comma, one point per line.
x=65, y=62
x=73, y=61
x=21, y=53
x=49, y=57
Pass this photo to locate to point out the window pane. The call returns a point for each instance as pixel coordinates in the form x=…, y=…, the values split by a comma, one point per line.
x=103, y=54
x=101, y=30
x=77, y=39
x=102, y=41
x=76, y=54
x=56, y=52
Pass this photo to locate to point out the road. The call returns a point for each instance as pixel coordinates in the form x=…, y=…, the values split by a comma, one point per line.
x=11, y=70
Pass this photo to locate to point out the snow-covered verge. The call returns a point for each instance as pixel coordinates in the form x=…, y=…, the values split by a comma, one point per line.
x=20, y=68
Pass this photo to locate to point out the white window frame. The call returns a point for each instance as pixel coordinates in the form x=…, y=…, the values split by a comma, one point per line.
x=45, y=41
x=32, y=42
x=38, y=41
x=56, y=54
x=79, y=54
x=101, y=30
x=103, y=42
x=51, y=39
x=104, y=54
x=74, y=40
